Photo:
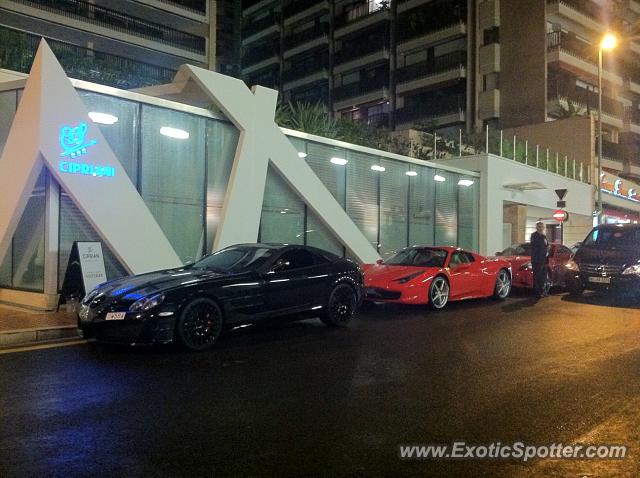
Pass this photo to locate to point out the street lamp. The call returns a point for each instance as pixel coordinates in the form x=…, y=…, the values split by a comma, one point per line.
x=608, y=42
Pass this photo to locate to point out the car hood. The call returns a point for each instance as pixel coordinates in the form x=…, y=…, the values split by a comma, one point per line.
x=598, y=255
x=387, y=273
x=132, y=288
x=517, y=260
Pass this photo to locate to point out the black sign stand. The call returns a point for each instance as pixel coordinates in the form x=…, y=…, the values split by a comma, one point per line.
x=73, y=283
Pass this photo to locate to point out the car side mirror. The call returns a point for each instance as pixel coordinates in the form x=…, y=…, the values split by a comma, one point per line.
x=379, y=262
x=280, y=264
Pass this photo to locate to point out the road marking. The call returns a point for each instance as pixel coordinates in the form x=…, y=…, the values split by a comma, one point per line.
x=28, y=348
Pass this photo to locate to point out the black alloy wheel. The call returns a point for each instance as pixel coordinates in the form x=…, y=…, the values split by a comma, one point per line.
x=199, y=325
x=341, y=306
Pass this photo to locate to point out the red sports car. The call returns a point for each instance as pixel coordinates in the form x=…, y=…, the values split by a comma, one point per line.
x=436, y=275
x=519, y=257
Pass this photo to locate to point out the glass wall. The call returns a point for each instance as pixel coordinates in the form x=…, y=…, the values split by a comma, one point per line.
x=173, y=176
x=181, y=163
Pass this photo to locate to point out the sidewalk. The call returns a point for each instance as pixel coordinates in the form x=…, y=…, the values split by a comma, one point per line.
x=20, y=326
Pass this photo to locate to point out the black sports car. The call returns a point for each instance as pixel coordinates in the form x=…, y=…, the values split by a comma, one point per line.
x=239, y=284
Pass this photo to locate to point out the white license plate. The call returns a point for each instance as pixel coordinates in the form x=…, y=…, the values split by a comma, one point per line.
x=115, y=316
x=600, y=280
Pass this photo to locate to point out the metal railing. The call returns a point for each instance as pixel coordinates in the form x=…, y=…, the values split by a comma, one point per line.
x=363, y=10
x=17, y=50
x=197, y=6
x=114, y=20
x=361, y=87
x=310, y=66
x=317, y=31
x=297, y=6
x=450, y=61
x=431, y=108
x=358, y=49
x=585, y=7
x=251, y=27
x=260, y=52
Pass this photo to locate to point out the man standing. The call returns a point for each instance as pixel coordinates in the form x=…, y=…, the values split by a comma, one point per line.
x=539, y=250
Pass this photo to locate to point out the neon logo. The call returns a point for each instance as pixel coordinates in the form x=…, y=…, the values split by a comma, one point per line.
x=72, y=140
x=86, y=169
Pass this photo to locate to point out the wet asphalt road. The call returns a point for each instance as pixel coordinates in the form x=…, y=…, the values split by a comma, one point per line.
x=300, y=399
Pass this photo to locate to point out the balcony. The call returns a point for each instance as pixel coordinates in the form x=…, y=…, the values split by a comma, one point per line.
x=587, y=8
x=451, y=61
x=358, y=49
x=379, y=120
x=311, y=66
x=116, y=21
x=297, y=6
x=564, y=88
x=573, y=46
x=425, y=109
x=295, y=39
x=425, y=20
x=250, y=28
x=368, y=10
x=611, y=150
x=196, y=6
x=361, y=88
x=81, y=63
x=259, y=53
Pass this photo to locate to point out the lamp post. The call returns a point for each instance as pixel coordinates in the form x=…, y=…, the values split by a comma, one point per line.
x=608, y=42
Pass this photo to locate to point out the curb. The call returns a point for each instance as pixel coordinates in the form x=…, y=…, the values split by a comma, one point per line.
x=37, y=335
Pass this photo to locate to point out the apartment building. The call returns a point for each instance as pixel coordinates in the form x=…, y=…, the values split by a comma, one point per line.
x=453, y=64
x=123, y=43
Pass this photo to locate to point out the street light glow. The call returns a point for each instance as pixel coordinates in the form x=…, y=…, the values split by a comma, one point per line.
x=609, y=41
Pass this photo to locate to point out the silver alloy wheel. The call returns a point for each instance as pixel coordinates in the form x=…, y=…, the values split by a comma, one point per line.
x=503, y=285
x=439, y=292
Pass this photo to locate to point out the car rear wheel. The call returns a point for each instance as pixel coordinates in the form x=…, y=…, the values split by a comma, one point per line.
x=341, y=306
x=439, y=293
x=503, y=285
x=199, y=325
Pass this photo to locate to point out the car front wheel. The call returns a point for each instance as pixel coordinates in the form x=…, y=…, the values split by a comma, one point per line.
x=199, y=325
x=439, y=293
x=341, y=306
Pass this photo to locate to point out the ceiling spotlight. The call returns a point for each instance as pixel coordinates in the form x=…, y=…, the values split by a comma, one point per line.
x=465, y=182
x=411, y=173
x=439, y=178
x=339, y=161
x=102, y=118
x=375, y=167
x=174, y=132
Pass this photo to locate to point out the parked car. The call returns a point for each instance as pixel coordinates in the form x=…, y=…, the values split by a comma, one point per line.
x=435, y=276
x=609, y=259
x=519, y=256
x=240, y=284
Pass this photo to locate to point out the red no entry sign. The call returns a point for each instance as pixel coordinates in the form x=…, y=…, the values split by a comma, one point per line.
x=560, y=215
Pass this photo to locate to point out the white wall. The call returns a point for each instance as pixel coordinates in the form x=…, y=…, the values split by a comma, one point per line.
x=496, y=172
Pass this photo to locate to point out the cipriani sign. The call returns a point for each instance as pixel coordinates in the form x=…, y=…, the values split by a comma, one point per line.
x=618, y=187
x=74, y=144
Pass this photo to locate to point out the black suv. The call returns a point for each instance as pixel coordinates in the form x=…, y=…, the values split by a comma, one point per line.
x=609, y=258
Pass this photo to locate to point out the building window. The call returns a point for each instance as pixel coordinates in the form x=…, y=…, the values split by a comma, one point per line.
x=491, y=35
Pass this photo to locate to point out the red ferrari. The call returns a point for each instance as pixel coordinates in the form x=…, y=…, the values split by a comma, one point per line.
x=519, y=257
x=435, y=276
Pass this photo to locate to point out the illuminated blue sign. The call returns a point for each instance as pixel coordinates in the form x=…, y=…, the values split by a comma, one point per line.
x=86, y=169
x=73, y=141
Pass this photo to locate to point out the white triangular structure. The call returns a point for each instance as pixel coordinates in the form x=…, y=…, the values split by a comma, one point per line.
x=261, y=141
x=48, y=130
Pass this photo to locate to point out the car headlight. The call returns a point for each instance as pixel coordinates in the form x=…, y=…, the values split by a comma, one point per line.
x=91, y=295
x=572, y=266
x=526, y=266
x=404, y=280
x=632, y=270
x=147, y=303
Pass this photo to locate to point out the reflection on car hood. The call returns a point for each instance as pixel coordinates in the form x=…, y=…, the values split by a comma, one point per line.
x=384, y=272
x=132, y=288
x=599, y=255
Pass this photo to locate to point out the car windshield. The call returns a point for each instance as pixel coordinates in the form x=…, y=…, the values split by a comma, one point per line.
x=518, y=250
x=235, y=259
x=614, y=238
x=420, y=257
